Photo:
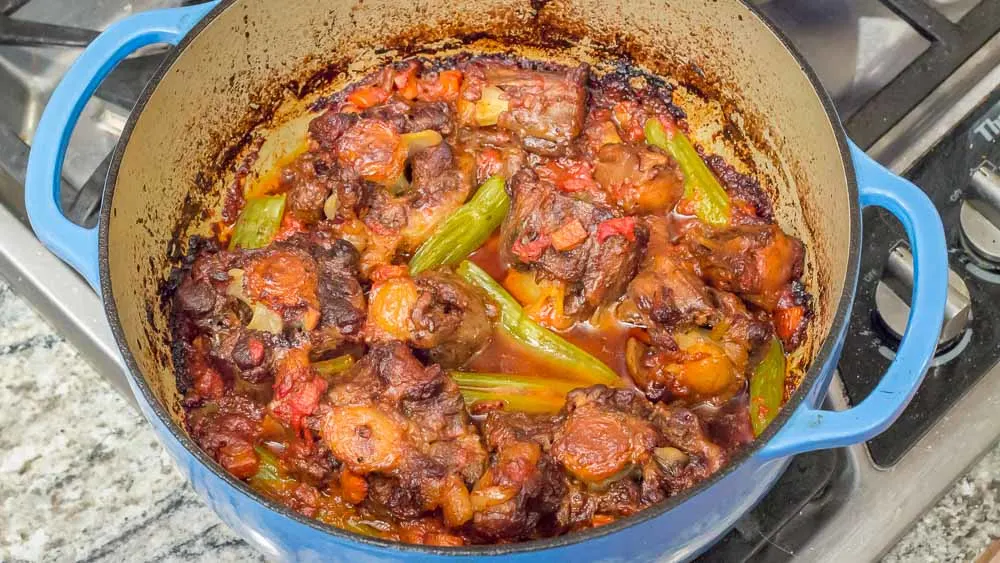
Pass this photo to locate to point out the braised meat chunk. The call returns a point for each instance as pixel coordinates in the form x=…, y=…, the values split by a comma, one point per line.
x=585, y=246
x=437, y=313
x=398, y=219
x=522, y=489
x=341, y=297
x=307, y=190
x=756, y=262
x=605, y=436
x=229, y=434
x=489, y=301
x=451, y=319
x=667, y=290
x=406, y=425
x=638, y=180
x=372, y=149
x=545, y=109
x=411, y=117
x=701, y=338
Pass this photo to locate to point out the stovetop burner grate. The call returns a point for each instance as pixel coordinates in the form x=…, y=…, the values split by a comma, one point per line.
x=952, y=43
x=814, y=485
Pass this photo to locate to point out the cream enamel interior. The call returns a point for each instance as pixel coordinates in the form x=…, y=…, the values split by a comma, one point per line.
x=256, y=55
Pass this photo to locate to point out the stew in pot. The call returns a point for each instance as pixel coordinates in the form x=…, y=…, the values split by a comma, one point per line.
x=489, y=300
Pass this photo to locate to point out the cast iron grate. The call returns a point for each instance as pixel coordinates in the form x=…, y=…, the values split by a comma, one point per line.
x=951, y=44
x=814, y=486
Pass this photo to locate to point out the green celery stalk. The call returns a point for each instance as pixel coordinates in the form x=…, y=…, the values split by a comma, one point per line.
x=270, y=477
x=767, y=387
x=334, y=366
x=547, y=344
x=711, y=202
x=258, y=222
x=517, y=392
x=465, y=230
x=358, y=527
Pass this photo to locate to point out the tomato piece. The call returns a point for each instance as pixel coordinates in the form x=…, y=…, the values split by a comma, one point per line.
x=599, y=520
x=623, y=226
x=451, y=83
x=368, y=96
x=443, y=87
x=405, y=81
x=297, y=389
x=569, y=175
x=787, y=323
x=531, y=251
x=569, y=236
x=489, y=162
x=353, y=487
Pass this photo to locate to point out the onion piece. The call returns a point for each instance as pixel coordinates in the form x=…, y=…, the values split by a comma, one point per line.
x=490, y=106
x=487, y=497
x=235, y=287
x=420, y=140
x=634, y=351
x=265, y=320
x=670, y=458
x=331, y=205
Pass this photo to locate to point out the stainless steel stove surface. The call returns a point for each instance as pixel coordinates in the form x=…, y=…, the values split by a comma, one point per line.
x=917, y=83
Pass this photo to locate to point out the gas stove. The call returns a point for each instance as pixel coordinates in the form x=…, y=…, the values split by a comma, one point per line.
x=917, y=84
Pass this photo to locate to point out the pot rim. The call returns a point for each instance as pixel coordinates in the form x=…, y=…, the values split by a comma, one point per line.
x=814, y=375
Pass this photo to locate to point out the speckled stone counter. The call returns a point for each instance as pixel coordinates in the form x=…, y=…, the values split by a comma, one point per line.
x=82, y=477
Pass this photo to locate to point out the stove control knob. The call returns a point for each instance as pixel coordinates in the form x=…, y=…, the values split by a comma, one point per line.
x=892, y=297
x=980, y=217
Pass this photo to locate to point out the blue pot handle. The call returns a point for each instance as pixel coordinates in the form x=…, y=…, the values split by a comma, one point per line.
x=72, y=243
x=815, y=429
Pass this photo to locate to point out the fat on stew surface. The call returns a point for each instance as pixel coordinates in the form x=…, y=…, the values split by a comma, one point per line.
x=489, y=300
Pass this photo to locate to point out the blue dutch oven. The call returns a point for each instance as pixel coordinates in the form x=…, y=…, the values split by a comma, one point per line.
x=234, y=92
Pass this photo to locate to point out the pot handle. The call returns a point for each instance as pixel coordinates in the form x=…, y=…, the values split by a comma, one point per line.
x=815, y=429
x=72, y=243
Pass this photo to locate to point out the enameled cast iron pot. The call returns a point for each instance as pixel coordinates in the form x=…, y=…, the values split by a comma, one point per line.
x=238, y=85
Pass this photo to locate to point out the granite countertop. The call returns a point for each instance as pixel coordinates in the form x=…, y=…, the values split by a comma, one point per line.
x=82, y=477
